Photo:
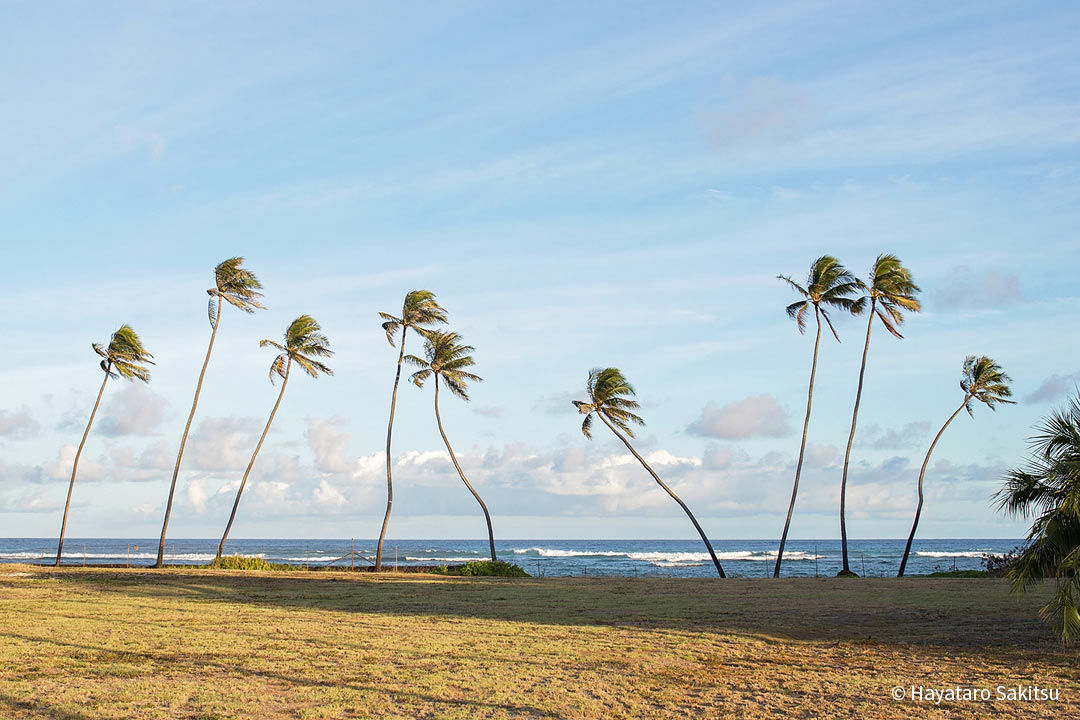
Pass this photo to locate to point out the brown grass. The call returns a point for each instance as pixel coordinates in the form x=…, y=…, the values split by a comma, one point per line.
x=87, y=643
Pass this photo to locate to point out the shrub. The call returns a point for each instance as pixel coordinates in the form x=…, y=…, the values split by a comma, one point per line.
x=998, y=565
x=244, y=562
x=489, y=568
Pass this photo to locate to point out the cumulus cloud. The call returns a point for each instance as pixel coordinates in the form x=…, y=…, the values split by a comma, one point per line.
x=328, y=445
x=754, y=416
x=1054, y=387
x=18, y=424
x=135, y=410
x=879, y=438
x=963, y=287
x=222, y=443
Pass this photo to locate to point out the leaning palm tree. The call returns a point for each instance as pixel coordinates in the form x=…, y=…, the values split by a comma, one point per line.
x=418, y=311
x=828, y=285
x=304, y=342
x=891, y=291
x=238, y=287
x=609, y=394
x=1048, y=490
x=447, y=358
x=981, y=379
x=124, y=357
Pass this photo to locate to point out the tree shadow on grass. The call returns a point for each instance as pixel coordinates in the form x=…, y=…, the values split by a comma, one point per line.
x=948, y=613
x=166, y=658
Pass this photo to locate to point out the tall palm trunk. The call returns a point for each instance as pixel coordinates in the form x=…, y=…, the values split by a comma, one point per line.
x=802, y=446
x=251, y=463
x=851, y=438
x=75, y=466
x=922, y=472
x=389, y=435
x=668, y=490
x=487, y=515
x=183, y=439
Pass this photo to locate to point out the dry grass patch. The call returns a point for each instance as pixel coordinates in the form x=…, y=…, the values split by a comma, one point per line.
x=81, y=643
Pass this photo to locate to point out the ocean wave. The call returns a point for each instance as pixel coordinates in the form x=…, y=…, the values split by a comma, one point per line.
x=670, y=559
x=968, y=554
x=443, y=559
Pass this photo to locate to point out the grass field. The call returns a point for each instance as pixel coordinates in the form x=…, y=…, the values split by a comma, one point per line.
x=82, y=643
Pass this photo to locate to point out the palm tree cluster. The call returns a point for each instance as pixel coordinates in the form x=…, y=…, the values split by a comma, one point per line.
x=886, y=296
x=1047, y=491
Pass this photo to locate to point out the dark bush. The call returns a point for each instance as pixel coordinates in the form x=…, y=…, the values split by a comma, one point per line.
x=488, y=568
x=998, y=565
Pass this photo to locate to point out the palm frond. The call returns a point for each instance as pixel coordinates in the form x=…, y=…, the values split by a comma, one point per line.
x=125, y=355
x=238, y=285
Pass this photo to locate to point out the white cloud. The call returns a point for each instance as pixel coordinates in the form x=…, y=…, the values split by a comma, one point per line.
x=879, y=438
x=765, y=111
x=328, y=445
x=754, y=416
x=1054, y=387
x=18, y=424
x=135, y=410
x=962, y=287
x=222, y=444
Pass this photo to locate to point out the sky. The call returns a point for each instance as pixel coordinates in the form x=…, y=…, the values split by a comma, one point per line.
x=581, y=185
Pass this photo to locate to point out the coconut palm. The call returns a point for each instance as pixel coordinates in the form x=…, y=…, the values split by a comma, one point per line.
x=609, y=394
x=304, y=342
x=981, y=379
x=124, y=357
x=447, y=358
x=417, y=312
x=891, y=291
x=828, y=286
x=239, y=287
x=1048, y=490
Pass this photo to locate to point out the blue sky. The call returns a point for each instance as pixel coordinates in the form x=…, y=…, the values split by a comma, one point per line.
x=581, y=185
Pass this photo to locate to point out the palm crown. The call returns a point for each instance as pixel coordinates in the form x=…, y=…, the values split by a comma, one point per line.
x=235, y=285
x=891, y=291
x=125, y=356
x=419, y=309
x=984, y=380
x=828, y=285
x=608, y=394
x=446, y=357
x=304, y=342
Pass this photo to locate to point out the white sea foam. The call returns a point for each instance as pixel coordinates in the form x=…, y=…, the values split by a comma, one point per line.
x=442, y=559
x=670, y=559
x=969, y=554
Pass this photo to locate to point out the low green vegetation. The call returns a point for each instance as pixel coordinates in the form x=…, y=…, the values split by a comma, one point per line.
x=244, y=562
x=478, y=568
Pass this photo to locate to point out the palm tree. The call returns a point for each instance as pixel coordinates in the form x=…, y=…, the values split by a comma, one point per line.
x=304, y=342
x=418, y=311
x=447, y=358
x=238, y=287
x=981, y=379
x=124, y=357
x=609, y=394
x=1048, y=489
x=828, y=285
x=891, y=291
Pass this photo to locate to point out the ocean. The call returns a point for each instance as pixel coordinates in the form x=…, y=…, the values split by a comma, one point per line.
x=663, y=558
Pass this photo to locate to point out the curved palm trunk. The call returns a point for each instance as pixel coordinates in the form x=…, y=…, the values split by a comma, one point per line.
x=802, y=447
x=389, y=435
x=75, y=467
x=676, y=498
x=922, y=472
x=487, y=515
x=251, y=463
x=851, y=438
x=183, y=439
